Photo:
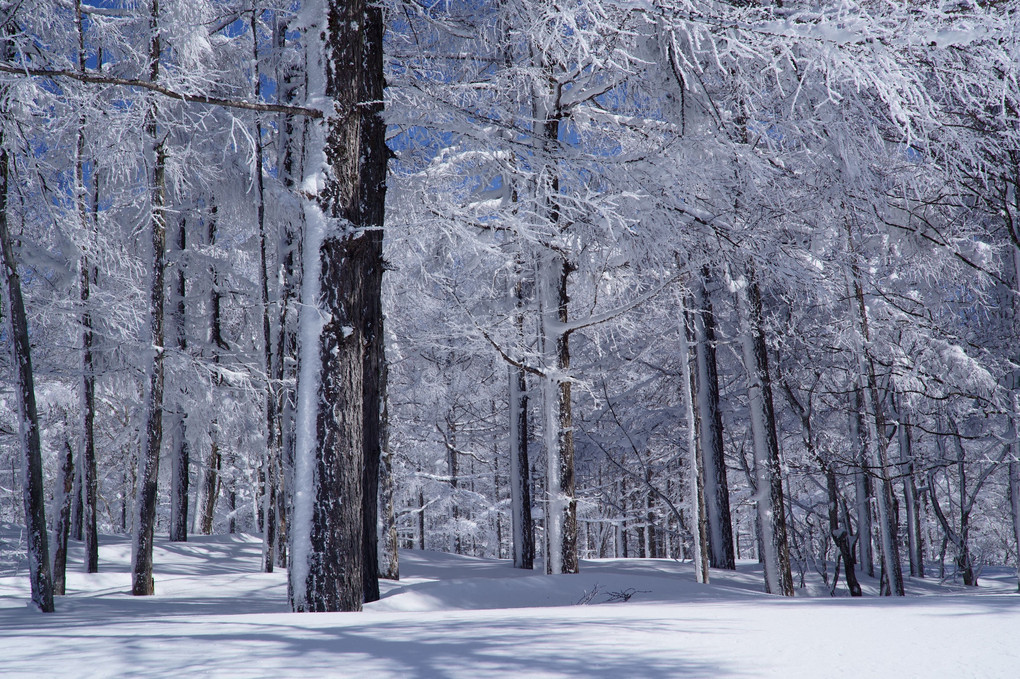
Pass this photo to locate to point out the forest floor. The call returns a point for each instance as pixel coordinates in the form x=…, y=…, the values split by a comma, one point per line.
x=216, y=615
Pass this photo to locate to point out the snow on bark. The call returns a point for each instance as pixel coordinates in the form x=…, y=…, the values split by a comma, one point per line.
x=768, y=496
x=694, y=463
x=311, y=321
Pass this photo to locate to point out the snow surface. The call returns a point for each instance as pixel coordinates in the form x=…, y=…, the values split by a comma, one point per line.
x=216, y=615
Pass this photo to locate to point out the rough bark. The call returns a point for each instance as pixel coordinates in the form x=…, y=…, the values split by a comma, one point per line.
x=148, y=473
x=372, y=202
x=40, y=575
x=520, y=466
x=330, y=577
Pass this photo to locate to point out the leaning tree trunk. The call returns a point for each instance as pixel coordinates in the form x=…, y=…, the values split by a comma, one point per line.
x=328, y=524
x=717, y=494
x=39, y=572
x=769, y=488
x=145, y=506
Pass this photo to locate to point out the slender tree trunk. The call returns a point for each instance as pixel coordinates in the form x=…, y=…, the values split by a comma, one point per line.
x=212, y=487
x=876, y=444
x=39, y=572
x=291, y=152
x=717, y=494
x=389, y=559
x=695, y=460
x=421, y=520
x=862, y=486
x=1014, y=503
x=145, y=508
x=62, y=529
x=270, y=457
x=87, y=499
x=180, y=473
x=769, y=488
x=906, y=464
x=372, y=199
x=214, y=464
x=520, y=466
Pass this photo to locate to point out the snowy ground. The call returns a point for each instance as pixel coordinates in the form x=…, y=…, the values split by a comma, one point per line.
x=215, y=615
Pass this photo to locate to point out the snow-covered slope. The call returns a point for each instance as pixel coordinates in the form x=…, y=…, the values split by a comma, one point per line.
x=215, y=615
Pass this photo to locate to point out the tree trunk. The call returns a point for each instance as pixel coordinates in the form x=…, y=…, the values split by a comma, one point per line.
x=179, y=479
x=769, y=489
x=906, y=463
x=62, y=529
x=1014, y=503
x=372, y=203
x=270, y=457
x=520, y=466
x=145, y=509
x=328, y=519
x=214, y=465
x=87, y=497
x=876, y=445
x=695, y=461
x=717, y=494
x=862, y=486
x=39, y=572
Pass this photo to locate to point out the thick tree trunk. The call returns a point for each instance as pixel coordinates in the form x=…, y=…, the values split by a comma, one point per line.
x=717, y=494
x=145, y=506
x=39, y=572
x=769, y=489
x=180, y=473
x=328, y=519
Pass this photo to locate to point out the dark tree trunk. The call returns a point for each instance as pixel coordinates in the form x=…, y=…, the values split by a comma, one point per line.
x=1014, y=503
x=179, y=479
x=331, y=577
x=372, y=202
x=212, y=488
x=717, y=494
x=62, y=529
x=86, y=498
x=39, y=572
x=145, y=510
